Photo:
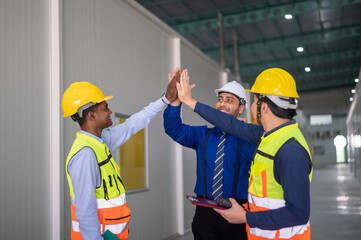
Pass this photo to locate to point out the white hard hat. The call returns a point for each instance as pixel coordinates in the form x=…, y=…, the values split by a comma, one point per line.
x=236, y=89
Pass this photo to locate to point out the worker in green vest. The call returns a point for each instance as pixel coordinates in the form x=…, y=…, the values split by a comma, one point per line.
x=280, y=175
x=97, y=192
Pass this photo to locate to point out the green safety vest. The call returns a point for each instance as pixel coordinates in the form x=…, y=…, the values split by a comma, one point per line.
x=111, y=183
x=265, y=193
x=113, y=212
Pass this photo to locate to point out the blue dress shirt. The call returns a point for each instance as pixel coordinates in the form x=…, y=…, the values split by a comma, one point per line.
x=194, y=137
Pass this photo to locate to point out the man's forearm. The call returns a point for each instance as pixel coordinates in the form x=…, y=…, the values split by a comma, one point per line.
x=191, y=103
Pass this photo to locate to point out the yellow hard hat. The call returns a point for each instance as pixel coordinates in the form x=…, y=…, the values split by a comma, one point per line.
x=80, y=94
x=275, y=81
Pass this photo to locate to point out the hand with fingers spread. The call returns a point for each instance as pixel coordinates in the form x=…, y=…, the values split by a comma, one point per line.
x=172, y=93
x=185, y=90
x=236, y=214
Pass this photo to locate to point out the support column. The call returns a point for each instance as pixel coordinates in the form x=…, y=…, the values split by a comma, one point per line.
x=178, y=152
x=54, y=99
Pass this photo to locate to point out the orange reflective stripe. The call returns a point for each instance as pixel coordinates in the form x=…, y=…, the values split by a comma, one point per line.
x=254, y=208
x=75, y=234
x=264, y=183
x=250, y=183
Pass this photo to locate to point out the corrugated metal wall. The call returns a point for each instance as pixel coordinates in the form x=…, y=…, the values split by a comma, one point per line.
x=206, y=76
x=24, y=122
x=354, y=133
x=118, y=46
x=112, y=45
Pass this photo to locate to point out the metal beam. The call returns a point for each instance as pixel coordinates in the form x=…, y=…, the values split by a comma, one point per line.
x=299, y=61
x=308, y=60
x=312, y=77
x=293, y=41
x=259, y=15
x=308, y=76
x=322, y=85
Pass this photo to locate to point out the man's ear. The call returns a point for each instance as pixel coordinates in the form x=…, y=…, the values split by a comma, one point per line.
x=264, y=107
x=91, y=116
x=241, y=109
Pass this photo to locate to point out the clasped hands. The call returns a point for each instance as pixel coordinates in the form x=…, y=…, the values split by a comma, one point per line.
x=179, y=89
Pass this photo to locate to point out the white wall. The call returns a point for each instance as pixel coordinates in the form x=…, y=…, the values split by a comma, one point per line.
x=110, y=45
x=24, y=123
x=128, y=53
x=322, y=136
x=121, y=50
x=205, y=74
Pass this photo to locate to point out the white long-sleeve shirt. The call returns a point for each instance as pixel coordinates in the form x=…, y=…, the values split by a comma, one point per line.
x=85, y=174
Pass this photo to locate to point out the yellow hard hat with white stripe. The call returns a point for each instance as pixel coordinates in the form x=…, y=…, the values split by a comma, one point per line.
x=275, y=81
x=80, y=94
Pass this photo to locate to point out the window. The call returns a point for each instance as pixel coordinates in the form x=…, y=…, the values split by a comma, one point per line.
x=321, y=119
x=132, y=158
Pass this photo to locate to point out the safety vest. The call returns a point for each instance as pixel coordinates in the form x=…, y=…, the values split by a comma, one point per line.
x=113, y=211
x=264, y=193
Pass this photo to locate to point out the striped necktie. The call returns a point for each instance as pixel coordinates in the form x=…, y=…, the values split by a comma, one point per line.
x=217, y=187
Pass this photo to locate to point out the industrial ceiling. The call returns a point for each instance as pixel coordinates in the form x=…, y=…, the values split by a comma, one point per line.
x=271, y=33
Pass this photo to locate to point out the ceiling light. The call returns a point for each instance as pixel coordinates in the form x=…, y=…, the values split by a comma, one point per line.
x=288, y=16
x=300, y=49
x=351, y=99
x=353, y=90
x=307, y=69
x=356, y=79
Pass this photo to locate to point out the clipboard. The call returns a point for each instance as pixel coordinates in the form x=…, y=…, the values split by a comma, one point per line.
x=204, y=202
x=108, y=235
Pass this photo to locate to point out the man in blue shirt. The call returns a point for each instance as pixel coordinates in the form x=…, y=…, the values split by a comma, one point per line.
x=207, y=224
x=281, y=172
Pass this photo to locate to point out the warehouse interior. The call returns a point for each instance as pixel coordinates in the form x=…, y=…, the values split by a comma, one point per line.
x=127, y=48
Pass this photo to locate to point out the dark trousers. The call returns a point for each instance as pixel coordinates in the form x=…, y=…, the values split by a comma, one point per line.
x=209, y=225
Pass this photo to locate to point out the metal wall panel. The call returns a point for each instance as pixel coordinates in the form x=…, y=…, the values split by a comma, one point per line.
x=354, y=133
x=24, y=122
x=206, y=75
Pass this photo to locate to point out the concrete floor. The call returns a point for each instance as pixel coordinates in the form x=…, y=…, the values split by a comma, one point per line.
x=335, y=204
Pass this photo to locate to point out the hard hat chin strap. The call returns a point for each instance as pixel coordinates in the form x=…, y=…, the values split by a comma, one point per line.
x=259, y=102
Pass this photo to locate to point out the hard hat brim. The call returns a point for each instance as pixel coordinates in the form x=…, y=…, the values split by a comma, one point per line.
x=105, y=98
x=108, y=97
x=279, y=95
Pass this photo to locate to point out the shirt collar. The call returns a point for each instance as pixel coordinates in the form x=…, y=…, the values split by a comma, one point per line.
x=218, y=132
x=91, y=135
x=280, y=126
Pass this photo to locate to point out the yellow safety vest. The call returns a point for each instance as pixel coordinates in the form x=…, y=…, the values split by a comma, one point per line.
x=264, y=193
x=113, y=211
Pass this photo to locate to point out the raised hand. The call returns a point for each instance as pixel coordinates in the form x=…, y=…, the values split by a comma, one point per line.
x=172, y=93
x=185, y=90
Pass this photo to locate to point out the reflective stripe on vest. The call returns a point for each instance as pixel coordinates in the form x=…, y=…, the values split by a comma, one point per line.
x=264, y=192
x=297, y=232
x=116, y=228
x=113, y=212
